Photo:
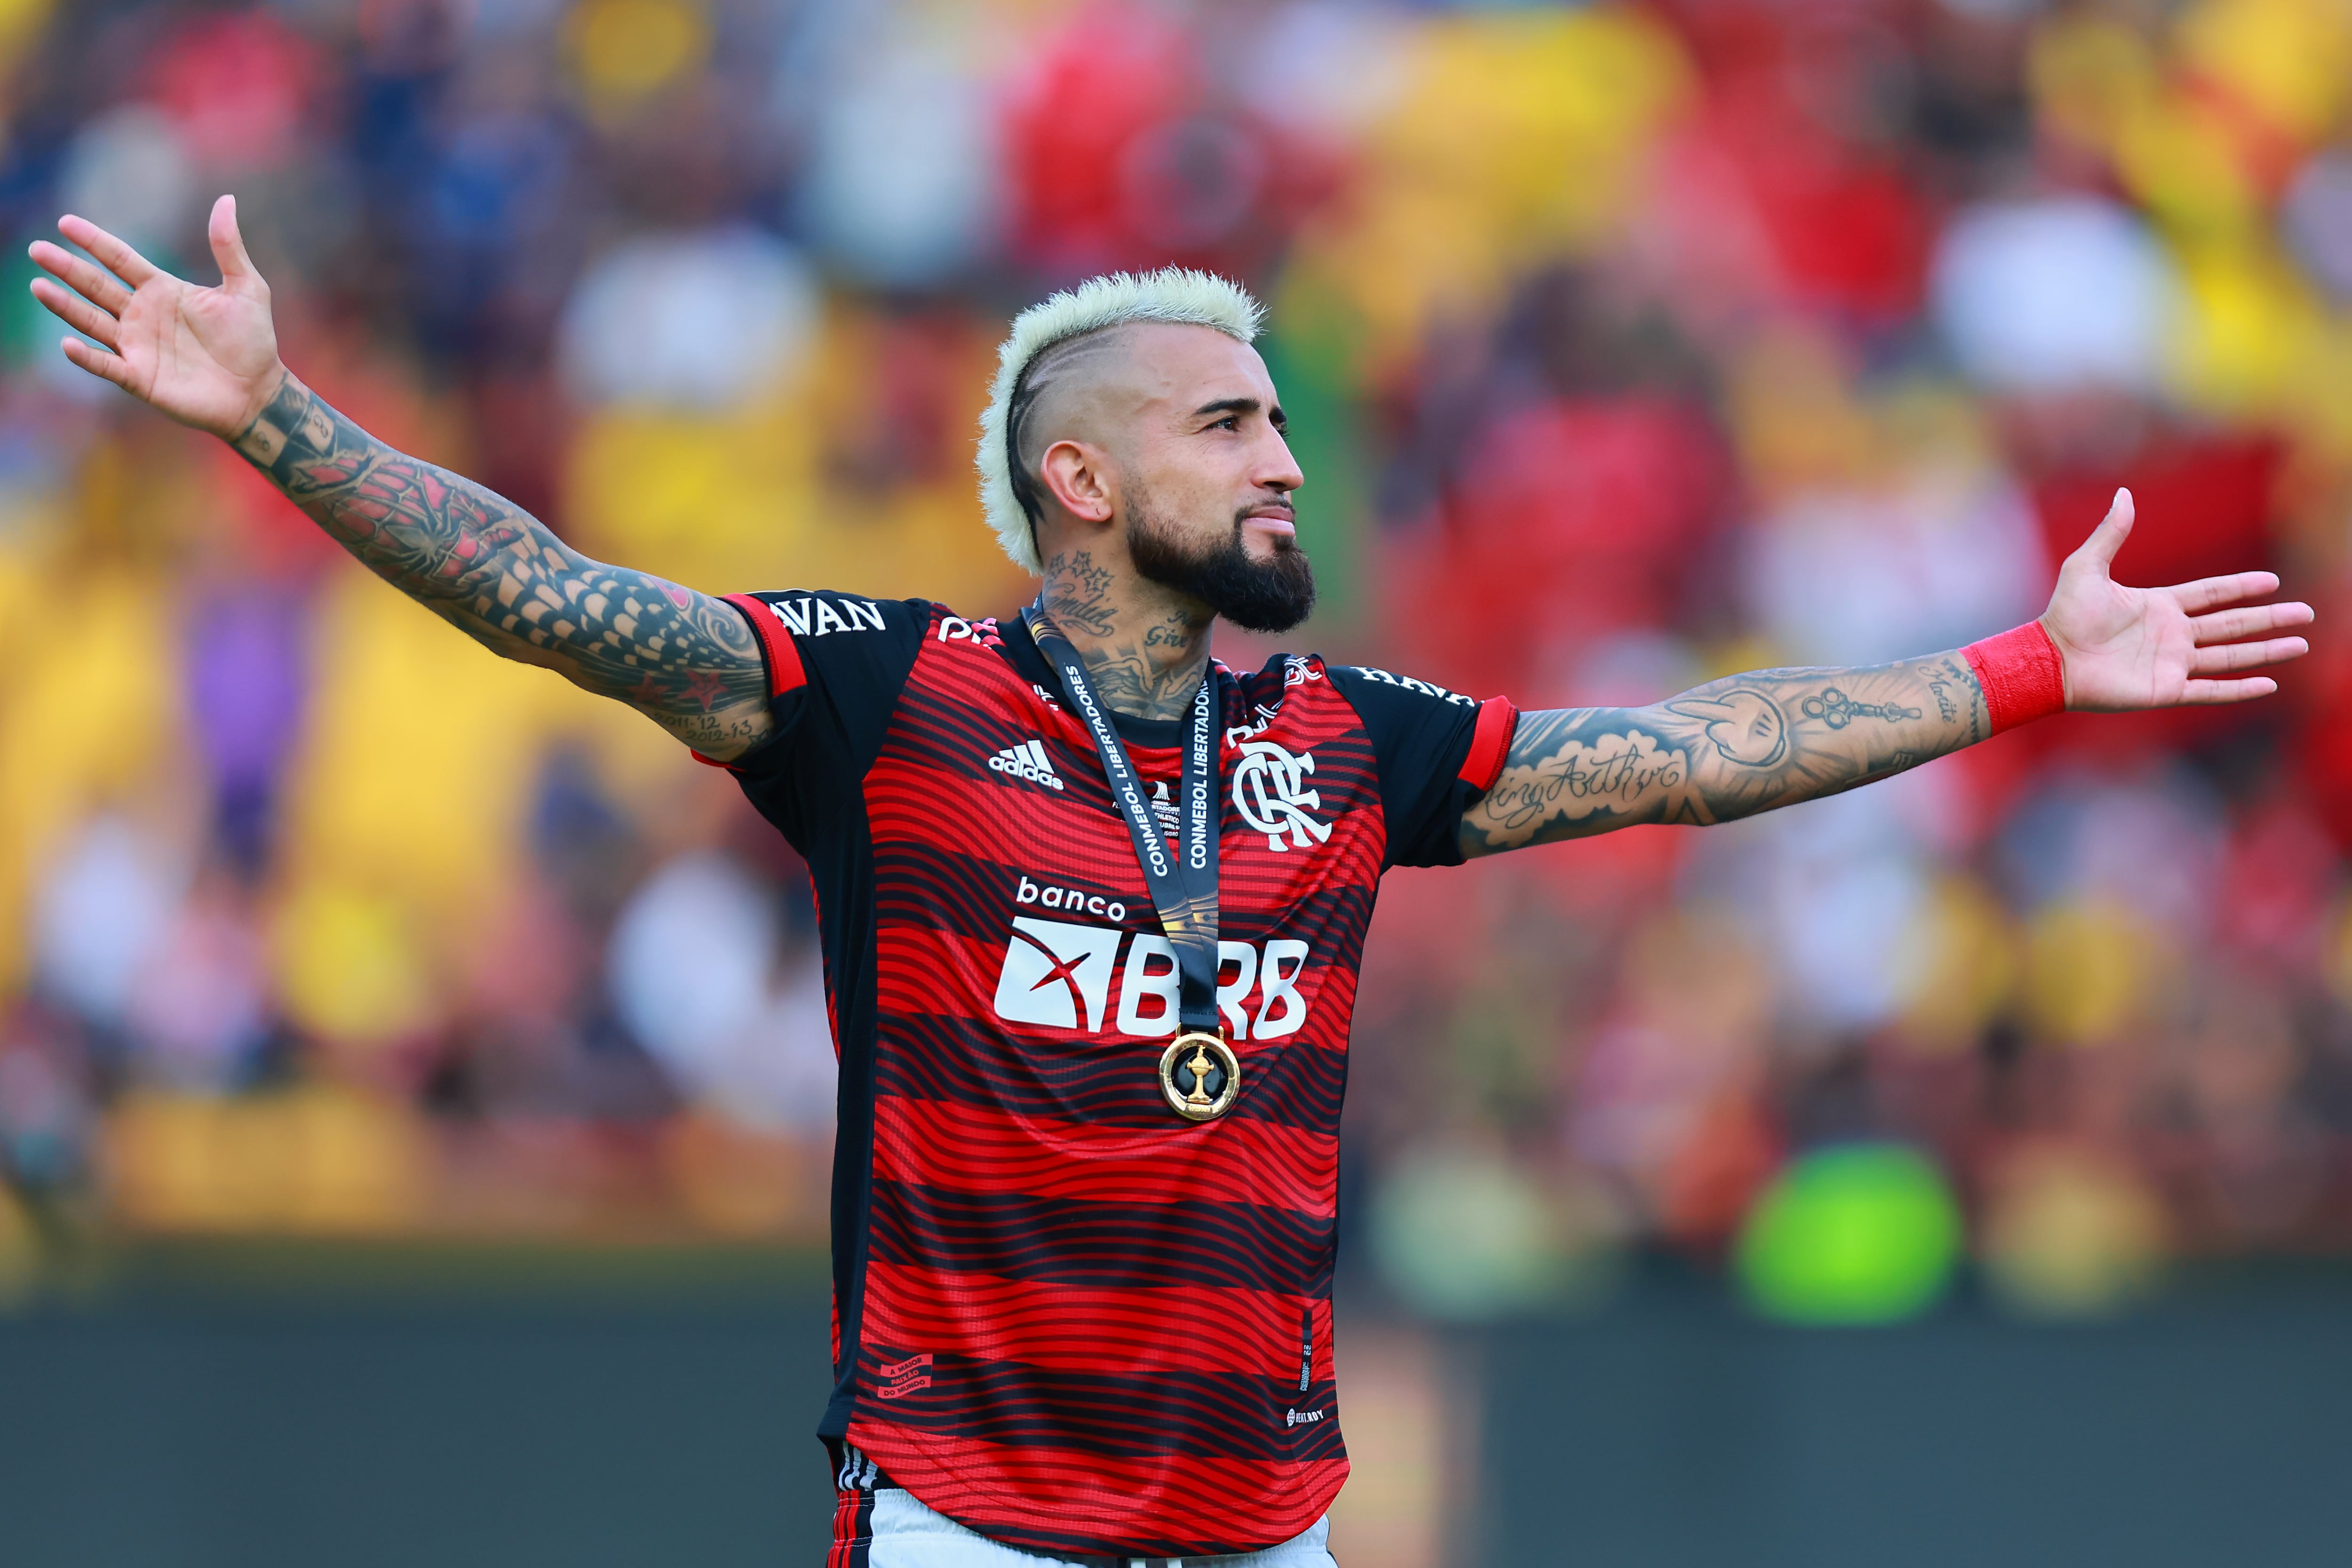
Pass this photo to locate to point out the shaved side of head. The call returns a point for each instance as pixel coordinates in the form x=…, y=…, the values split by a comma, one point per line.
x=1062, y=397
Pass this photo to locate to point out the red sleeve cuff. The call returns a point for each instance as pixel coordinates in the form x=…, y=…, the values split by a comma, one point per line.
x=784, y=672
x=2022, y=676
x=1490, y=743
x=784, y=661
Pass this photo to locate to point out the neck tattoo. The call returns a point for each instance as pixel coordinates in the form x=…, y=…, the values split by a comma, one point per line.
x=1144, y=655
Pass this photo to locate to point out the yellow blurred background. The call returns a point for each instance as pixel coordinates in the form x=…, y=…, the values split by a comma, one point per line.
x=1626, y=344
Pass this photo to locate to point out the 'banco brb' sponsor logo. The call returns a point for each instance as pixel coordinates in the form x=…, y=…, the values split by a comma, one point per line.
x=1067, y=976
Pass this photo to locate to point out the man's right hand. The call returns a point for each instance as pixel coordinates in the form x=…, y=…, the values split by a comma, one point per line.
x=208, y=357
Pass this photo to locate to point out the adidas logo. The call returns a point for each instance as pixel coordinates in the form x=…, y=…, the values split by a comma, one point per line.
x=1026, y=761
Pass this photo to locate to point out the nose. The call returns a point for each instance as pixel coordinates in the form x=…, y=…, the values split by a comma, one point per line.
x=1278, y=470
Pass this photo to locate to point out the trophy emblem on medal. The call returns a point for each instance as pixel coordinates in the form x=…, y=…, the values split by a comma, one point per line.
x=1199, y=1076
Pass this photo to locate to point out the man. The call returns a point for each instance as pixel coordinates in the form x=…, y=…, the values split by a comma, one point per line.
x=1092, y=905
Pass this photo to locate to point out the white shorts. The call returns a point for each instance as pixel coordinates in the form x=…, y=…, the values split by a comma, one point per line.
x=893, y=1530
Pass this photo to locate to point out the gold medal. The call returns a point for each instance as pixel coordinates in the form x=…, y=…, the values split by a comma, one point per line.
x=1199, y=1076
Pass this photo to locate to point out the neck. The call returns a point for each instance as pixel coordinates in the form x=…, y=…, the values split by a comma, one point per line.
x=1145, y=647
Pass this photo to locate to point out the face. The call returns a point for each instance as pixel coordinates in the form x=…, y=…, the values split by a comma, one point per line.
x=1194, y=465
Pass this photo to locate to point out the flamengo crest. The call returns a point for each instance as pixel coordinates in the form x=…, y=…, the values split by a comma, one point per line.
x=1269, y=794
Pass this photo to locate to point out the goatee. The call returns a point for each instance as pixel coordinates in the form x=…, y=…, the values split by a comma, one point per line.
x=1269, y=595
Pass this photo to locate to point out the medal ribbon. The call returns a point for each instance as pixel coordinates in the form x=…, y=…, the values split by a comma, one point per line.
x=1182, y=876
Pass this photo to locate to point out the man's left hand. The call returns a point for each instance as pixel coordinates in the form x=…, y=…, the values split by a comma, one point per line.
x=2127, y=648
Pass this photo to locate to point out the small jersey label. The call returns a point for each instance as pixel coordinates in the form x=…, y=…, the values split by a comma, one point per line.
x=906, y=1378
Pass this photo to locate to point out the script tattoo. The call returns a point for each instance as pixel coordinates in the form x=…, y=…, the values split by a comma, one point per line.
x=1077, y=594
x=1729, y=749
x=1150, y=672
x=1611, y=775
x=685, y=659
x=1955, y=687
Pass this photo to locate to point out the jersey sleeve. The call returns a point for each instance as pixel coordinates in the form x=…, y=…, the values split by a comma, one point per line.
x=835, y=664
x=1437, y=752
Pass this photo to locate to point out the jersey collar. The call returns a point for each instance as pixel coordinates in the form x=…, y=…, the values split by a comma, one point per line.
x=1021, y=651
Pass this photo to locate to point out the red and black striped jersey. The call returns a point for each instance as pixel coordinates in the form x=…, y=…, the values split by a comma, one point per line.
x=1062, y=1316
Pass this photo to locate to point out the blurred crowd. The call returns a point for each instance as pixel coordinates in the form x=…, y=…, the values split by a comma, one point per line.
x=1626, y=345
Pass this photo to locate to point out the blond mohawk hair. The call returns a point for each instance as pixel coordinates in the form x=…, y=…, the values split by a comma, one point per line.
x=1177, y=295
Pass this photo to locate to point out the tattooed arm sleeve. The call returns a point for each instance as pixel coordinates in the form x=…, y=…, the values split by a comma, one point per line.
x=1728, y=749
x=685, y=660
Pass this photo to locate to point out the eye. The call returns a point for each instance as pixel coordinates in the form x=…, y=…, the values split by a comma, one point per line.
x=1230, y=422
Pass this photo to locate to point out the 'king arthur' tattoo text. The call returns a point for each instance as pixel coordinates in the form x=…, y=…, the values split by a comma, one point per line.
x=1727, y=750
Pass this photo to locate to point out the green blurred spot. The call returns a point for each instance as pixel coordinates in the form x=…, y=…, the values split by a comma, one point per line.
x=1862, y=1233
x=27, y=328
x=1316, y=381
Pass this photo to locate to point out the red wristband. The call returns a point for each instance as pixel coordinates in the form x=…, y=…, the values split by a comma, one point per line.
x=2022, y=676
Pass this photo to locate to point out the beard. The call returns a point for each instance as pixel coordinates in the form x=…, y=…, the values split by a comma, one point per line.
x=1269, y=595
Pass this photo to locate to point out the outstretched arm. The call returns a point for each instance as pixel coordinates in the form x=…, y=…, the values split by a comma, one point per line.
x=1728, y=749
x=208, y=357
x=684, y=660
x=1770, y=737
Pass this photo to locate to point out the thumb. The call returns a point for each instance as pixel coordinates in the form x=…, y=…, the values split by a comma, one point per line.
x=237, y=271
x=2113, y=530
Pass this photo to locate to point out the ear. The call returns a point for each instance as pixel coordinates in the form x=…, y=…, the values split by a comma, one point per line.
x=1077, y=476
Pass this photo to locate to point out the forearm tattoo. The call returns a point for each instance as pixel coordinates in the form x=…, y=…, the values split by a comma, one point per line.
x=1730, y=749
x=685, y=659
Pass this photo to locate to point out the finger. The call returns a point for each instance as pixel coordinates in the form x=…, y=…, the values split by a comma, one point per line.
x=2113, y=530
x=98, y=287
x=2251, y=620
x=105, y=366
x=2211, y=592
x=2209, y=692
x=2239, y=656
x=228, y=245
x=77, y=312
x=112, y=254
